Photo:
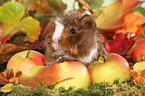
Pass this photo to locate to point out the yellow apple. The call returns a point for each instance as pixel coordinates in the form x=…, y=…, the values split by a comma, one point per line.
x=24, y=61
x=112, y=66
x=81, y=76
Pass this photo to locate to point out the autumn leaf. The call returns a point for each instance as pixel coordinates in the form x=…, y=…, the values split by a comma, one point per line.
x=3, y=79
x=7, y=50
x=47, y=76
x=133, y=19
x=142, y=73
x=11, y=14
x=36, y=45
x=95, y=6
x=7, y=88
x=137, y=78
x=120, y=44
x=111, y=16
x=31, y=28
x=51, y=8
x=29, y=3
x=132, y=24
x=138, y=72
x=139, y=66
x=102, y=38
x=84, y=3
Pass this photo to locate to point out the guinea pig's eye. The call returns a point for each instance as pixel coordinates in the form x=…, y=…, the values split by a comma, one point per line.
x=72, y=31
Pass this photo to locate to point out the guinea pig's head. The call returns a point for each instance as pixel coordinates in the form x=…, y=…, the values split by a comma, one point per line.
x=72, y=29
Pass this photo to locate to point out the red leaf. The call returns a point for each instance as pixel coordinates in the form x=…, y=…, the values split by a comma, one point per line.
x=36, y=45
x=3, y=80
x=48, y=76
x=120, y=44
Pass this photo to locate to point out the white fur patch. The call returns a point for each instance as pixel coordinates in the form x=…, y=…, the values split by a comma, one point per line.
x=57, y=33
x=86, y=59
x=92, y=55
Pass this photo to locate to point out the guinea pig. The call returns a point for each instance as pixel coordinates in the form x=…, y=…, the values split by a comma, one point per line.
x=75, y=38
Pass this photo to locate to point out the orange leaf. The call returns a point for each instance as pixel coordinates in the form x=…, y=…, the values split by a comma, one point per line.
x=111, y=17
x=132, y=24
x=142, y=73
x=137, y=79
x=48, y=76
x=102, y=38
x=133, y=19
x=134, y=74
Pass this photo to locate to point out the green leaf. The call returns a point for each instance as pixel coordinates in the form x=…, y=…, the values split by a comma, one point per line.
x=96, y=6
x=140, y=10
x=10, y=14
x=31, y=27
x=29, y=3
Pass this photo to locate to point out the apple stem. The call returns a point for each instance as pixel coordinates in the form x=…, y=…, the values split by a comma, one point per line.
x=28, y=53
x=104, y=58
x=143, y=34
x=143, y=57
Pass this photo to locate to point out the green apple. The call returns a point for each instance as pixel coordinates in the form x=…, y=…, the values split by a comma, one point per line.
x=81, y=76
x=23, y=61
x=113, y=66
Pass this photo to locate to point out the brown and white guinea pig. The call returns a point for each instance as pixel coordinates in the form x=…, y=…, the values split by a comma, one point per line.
x=75, y=37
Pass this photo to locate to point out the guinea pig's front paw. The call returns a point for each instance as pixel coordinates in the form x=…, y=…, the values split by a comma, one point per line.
x=60, y=60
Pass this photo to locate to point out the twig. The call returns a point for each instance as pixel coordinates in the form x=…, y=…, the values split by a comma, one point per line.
x=143, y=34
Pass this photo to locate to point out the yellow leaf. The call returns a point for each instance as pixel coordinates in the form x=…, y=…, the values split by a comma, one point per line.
x=139, y=66
x=7, y=88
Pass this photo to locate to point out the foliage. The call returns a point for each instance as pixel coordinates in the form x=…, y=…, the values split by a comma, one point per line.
x=24, y=24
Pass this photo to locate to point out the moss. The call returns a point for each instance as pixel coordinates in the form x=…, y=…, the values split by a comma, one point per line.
x=98, y=89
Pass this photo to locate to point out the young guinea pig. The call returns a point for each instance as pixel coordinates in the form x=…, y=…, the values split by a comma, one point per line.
x=75, y=37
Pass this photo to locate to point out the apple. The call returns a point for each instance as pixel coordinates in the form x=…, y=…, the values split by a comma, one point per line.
x=113, y=66
x=138, y=51
x=81, y=76
x=23, y=61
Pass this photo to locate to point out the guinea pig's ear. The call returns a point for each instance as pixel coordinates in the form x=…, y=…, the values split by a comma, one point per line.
x=86, y=20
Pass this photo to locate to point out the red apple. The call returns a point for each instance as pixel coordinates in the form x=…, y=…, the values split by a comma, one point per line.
x=138, y=51
x=81, y=76
x=24, y=61
x=114, y=66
